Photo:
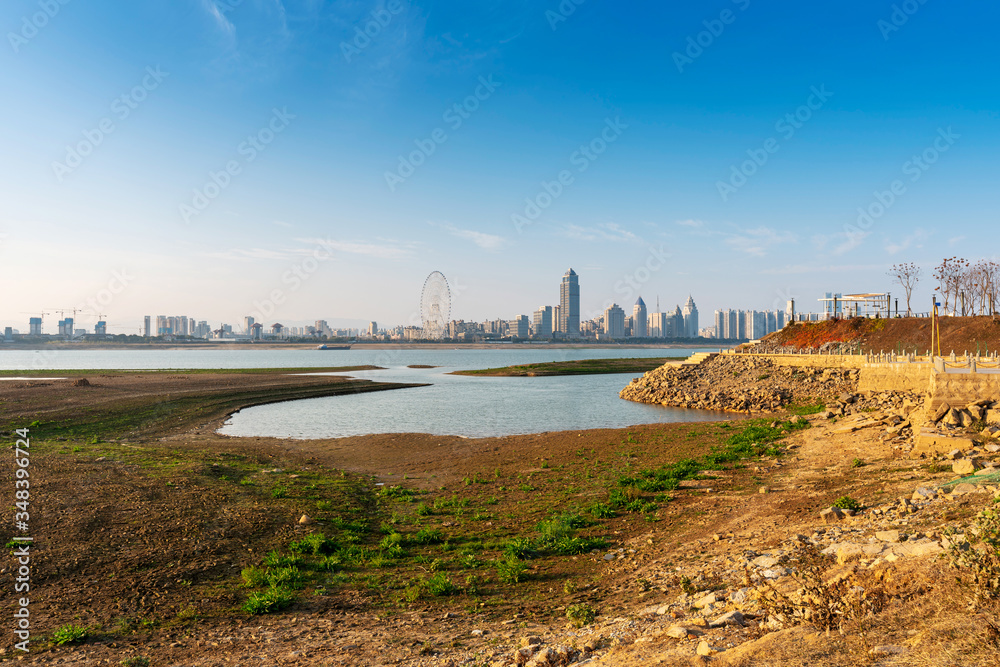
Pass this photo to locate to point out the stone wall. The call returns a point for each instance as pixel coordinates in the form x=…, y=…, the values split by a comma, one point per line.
x=910, y=378
x=961, y=389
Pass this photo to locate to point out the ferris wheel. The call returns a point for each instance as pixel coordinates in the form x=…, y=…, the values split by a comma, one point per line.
x=435, y=306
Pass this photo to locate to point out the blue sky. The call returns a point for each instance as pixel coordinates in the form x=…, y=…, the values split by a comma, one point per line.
x=268, y=156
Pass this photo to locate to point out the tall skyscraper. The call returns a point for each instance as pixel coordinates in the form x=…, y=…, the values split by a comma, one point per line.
x=690, y=319
x=569, y=304
x=639, y=319
x=614, y=321
x=145, y=326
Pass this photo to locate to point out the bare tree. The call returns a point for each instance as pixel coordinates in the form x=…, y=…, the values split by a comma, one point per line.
x=950, y=275
x=907, y=275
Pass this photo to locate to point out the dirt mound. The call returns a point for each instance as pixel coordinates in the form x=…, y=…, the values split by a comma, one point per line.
x=859, y=335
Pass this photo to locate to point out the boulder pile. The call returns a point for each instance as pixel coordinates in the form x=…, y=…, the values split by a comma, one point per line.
x=734, y=383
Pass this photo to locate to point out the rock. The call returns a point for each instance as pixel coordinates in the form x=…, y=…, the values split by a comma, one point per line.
x=477, y=633
x=917, y=548
x=976, y=411
x=846, y=398
x=966, y=418
x=887, y=535
x=993, y=417
x=963, y=489
x=923, y=493
x=706, y=600
x=530, y=640
x=682, y=632
x=965, y=466
x=885, y=651
x=304, y=520
x=762, y=489
x=940, y=413
x=992, y=447
x=954, y=454
x=544, y=657
x=953, y=418
x=704, y=648
x=765, y=561
x=732, y=618
x=832, y=515
x=81, y=382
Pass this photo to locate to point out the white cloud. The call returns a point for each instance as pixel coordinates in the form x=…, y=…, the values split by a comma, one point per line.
x=851, y=241
x=955, y=240
x=757, y=241
x=607, y=231
x=224, y=24
x=694, y=224
x=917, y=238
x=484, y=241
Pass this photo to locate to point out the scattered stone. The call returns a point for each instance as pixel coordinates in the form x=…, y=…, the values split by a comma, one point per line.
x=305, y=520
x=887, y=535
x=965, y=466
x=704, y=648
x=832, y=515
x=732, y=618
x=682, y=632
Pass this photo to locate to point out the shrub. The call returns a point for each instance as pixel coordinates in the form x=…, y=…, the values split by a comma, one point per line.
x=980, y=556
x=314, y=543
x=69, y=634
x=254, y=577
x=397, y=493
x=269, y=601
x=581, y=614
x=440, y=584
x=135, y=661
x=428, y=536
x=510, y=570
x=847, y=503
x=285, y=577
x=519, y=548
x=601, y=511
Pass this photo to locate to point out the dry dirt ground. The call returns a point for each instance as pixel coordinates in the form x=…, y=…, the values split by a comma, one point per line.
x=141, y=540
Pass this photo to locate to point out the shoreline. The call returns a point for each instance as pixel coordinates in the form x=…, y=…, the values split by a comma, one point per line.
x=355, y=346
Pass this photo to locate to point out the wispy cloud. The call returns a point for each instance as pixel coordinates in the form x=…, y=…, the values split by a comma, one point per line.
x=224, y=24
x=955, y=240
x=851, y=241
x=607, y=231
x=381, y=250
x=485, y=241
x=693, y=224
x=758, y=240
x=791, y=269
x=917, y=238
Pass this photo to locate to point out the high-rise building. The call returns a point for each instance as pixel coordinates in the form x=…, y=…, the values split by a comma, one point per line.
x=373, y=329
x=614, y=321
x=248, y=322
x=675, y=324
x=520, y=327
x=145, y=326
x=690, y=314
x=569, y=304
x=639, y=319
x=542, y=322
x=101, y=329
x=35, y=326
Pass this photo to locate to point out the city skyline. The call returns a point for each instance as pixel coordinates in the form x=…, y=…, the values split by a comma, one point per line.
x=219, y=157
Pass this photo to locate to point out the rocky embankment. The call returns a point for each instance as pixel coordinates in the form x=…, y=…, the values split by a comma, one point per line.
x=733, y=383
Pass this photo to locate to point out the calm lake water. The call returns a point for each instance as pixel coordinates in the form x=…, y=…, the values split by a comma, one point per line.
x=451, y=405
